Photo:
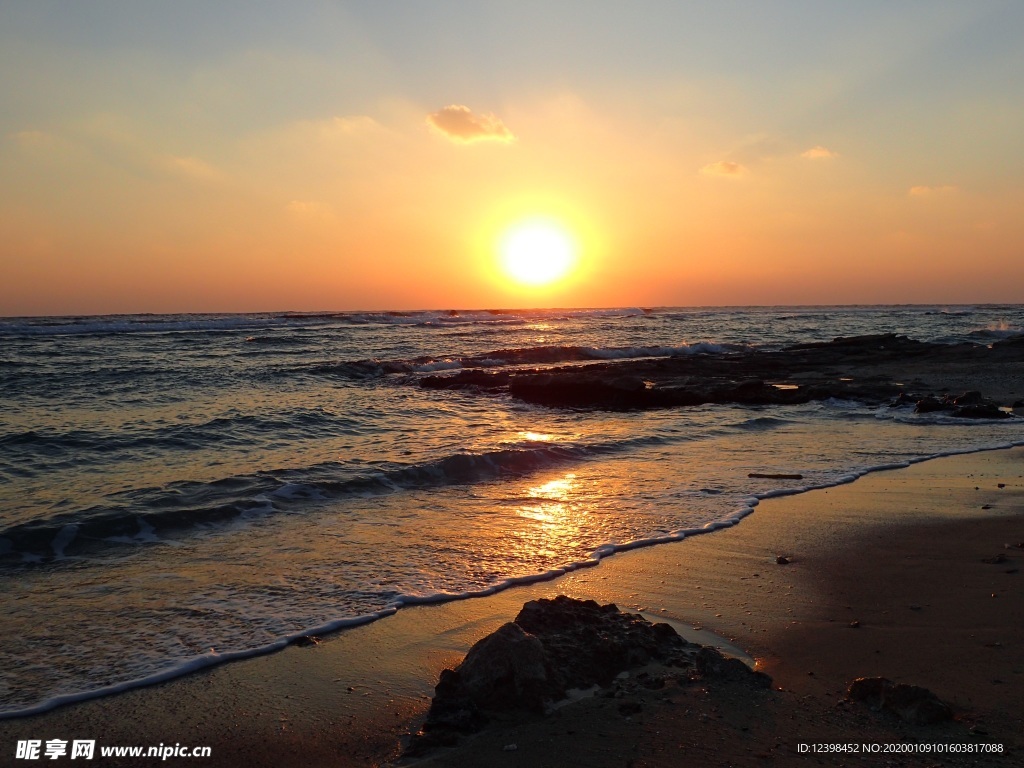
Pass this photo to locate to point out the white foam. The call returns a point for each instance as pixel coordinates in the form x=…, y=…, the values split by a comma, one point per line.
x=193, y=664
x=64, y=537
x=438, y=365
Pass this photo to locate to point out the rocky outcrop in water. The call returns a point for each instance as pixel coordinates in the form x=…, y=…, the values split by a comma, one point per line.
x=969, y=405
x=862, y=368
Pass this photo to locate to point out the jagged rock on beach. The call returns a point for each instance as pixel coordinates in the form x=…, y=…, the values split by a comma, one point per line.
x=507, y=669
x=554, y=646
x=911, y=703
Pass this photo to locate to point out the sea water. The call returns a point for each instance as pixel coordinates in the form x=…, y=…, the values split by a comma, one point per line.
x=180, y=490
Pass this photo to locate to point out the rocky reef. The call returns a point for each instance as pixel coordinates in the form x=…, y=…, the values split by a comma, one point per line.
x=874, y=369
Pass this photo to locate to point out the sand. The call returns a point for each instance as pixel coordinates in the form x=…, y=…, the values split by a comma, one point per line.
x=900, y=553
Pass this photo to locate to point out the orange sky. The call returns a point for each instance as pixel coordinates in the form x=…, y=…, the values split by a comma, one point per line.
x=335, y=158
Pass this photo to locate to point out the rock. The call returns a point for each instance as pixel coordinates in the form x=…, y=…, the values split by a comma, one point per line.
x=551, y=647
x=782, y=560
x=306, y=641
x=846, y=368
x=505, y=670
x=712, y=664
x=570, y=389
x=911, y=703
x=630, y=707
x=930, y=405
x=452, y=706
x=904, y=399
x=981, y=411
x=586, y=643
x=968, y=398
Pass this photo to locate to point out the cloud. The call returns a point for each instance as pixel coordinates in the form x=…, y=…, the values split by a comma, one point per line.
x=723, y=168
x=191, y=168
x=458, y=123
x=31, y=139
x=926, y=191
x=819, y=153
x=311, y=211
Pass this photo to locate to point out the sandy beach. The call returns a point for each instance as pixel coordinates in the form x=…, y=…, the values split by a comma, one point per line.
x=911, y=574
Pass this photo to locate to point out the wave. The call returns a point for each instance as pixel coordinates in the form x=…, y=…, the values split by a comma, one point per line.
x=762, y=424
x=145, y=515
x=546, y=355
x=1000, y=330
x=132, y=324
x=87, y=446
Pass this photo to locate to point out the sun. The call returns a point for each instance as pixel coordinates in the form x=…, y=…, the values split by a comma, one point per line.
x=537, y=251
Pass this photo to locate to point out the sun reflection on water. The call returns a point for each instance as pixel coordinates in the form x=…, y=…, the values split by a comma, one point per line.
x=555, y=515
x=536, y=437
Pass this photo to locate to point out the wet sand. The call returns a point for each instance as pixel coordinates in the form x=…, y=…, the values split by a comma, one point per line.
x=900, y=553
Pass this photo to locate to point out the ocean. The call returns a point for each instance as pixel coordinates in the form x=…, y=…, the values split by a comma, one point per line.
x=179, y=490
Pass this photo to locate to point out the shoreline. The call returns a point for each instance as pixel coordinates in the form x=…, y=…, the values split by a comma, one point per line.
x=214, y=659
x=344, y=701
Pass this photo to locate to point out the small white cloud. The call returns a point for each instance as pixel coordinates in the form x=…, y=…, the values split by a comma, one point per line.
x=926, y=191
x=191, y=168
x=458, y=123
x=819, y=153
x=723, y=168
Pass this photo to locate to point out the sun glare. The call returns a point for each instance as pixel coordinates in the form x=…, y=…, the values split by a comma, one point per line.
x=537, y=252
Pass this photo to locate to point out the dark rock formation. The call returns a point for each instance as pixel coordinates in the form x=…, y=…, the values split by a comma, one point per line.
x=506, y=670
x=554, y=646
x=981, y=411
x=588, y=644
x=930, y=405
x=857, y=368
x=968, y=398
x=969, y=405
x=911, y=703
x=471, y=379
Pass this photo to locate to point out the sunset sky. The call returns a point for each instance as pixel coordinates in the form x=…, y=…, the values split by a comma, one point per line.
x=252, y=156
